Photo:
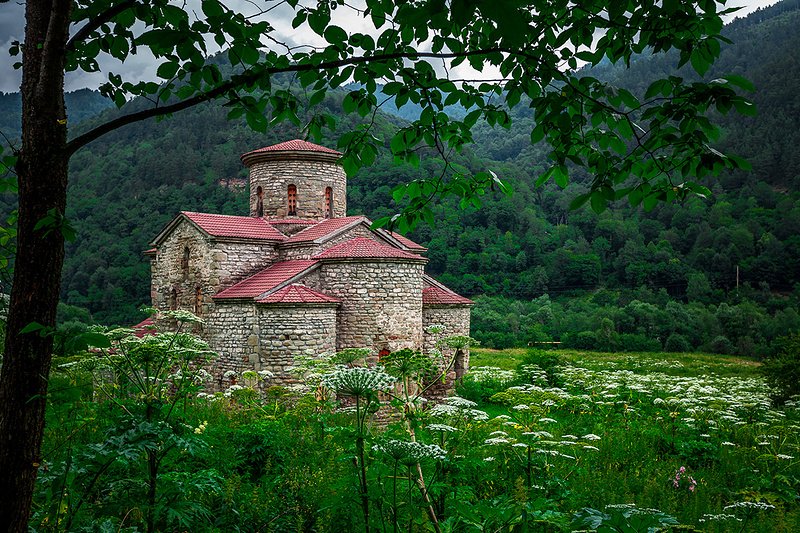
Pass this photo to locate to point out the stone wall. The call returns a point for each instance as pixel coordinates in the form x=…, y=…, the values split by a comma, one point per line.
x=381, y=303
x=289, y=330
x=212, y=265
x=455, y=319
x=310, y=176
x=168, y=272
x=234, y=261
x=232, y=330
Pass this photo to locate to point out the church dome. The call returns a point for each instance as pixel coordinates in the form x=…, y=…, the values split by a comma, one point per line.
x=296, y=179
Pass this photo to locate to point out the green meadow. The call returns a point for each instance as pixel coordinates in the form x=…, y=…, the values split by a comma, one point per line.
x=533, y=441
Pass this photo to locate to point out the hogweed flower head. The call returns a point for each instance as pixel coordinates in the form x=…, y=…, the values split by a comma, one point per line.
x=749, y=506
x=358, y=381
x=410, y=452
x=444, y=428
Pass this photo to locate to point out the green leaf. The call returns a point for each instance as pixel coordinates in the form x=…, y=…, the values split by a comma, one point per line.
x=699, y=62
x=90, y=339
x=579, y=201
x=658, y=87
x=745, y=107
x=212, y=8
x=598, y=202
x=248, y=55
x=335, y=35
x=33, y=327
x=167, y=70
x=317, y=98
x=741, y=82
x=399, y=193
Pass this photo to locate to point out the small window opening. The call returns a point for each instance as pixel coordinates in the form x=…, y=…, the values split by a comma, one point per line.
x=260, y=202
x=328, y=202
x=198, y=301
x=173, y=300
x=185, y=263
x=292, y=204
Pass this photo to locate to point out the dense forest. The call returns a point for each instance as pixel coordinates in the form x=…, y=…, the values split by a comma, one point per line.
x=718, y=274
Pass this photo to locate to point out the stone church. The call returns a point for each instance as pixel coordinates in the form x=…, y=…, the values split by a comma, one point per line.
x=298, y=276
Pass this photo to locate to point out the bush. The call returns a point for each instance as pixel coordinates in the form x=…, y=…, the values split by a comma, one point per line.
x=585, y=340
x=677, y=343
x=484, y=382
x=634, y=342
x=783, y=370
x=721, y=344
x=547, y=360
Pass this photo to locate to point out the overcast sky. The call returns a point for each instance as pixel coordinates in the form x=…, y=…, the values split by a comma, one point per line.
x=141, y=66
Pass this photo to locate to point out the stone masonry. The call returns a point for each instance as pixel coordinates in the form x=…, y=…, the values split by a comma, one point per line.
x=275, y=285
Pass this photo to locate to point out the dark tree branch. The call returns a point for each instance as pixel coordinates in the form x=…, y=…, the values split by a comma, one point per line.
x=251, y=77
x=95, y=23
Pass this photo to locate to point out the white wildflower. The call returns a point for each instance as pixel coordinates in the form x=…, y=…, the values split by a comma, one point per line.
x=755, y=506
x=441, y=427
x=358, y=381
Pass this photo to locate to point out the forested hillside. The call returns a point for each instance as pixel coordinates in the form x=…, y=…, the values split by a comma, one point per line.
x=624, y=279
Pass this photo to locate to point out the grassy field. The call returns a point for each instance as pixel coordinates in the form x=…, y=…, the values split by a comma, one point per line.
x=535, y=441
x=670, y=363
x=691, y=435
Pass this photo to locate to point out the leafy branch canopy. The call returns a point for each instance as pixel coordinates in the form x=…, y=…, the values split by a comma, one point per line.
x=439, y=53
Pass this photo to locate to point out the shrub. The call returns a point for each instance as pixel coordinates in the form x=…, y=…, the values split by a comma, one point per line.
x=547, y=360
x=634, y=342
x=677, y=343
x=783, y=370
x=585, y=340
x=748, y=347
x=483, y=382
x=721, y=344
x=471, y=389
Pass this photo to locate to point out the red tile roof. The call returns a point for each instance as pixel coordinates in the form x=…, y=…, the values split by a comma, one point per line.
x=323, y=229
x=295, y=145
x=405, y=241
x=266, y=280
x=362, y=247
x=145, y=327
x=436, y=295
x=235, y=226
x=298, y=294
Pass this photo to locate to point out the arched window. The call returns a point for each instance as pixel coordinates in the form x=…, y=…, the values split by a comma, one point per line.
x=173, y=300
x=259, y=202
x=292, y=201
x=198, y=301
x=185, y=263
x=328, y=202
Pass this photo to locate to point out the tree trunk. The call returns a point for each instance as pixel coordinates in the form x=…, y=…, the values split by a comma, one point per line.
x=42, y=176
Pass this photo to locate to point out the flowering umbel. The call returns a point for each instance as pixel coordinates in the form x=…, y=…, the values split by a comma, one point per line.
x=358, y=381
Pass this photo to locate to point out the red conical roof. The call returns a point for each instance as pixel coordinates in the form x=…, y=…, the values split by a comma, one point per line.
x=295, y=145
